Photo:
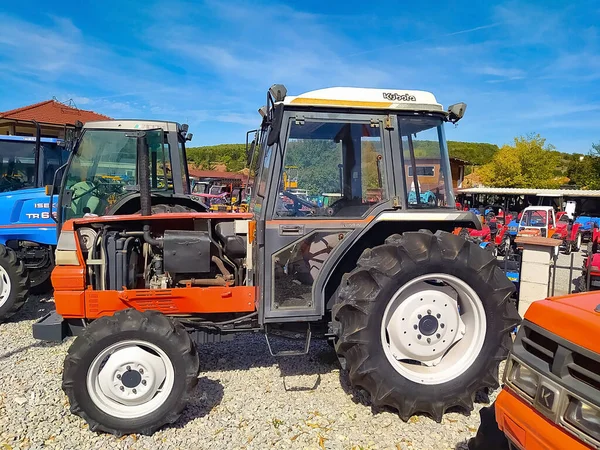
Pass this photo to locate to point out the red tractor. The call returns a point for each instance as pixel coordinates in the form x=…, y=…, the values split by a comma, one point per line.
x=494, y=234
x=419, y=317
x=590, y=276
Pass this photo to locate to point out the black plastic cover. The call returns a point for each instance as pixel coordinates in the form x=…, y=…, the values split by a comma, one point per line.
x=186, y=251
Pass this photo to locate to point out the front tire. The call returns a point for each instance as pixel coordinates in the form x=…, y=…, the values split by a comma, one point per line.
x=14, y=283
x=132, y=372
x=423, y=322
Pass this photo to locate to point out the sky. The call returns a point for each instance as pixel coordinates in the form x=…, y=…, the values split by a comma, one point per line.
x=521, y=67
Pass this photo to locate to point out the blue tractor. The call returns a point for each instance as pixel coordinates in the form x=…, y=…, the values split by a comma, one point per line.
x=27, y=230
x=588, y=224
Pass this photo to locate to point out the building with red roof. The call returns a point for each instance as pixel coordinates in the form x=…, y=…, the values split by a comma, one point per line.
x=53, y=116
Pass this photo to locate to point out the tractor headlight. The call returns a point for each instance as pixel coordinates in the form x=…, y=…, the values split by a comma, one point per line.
x=524, y=378
x=584, y=417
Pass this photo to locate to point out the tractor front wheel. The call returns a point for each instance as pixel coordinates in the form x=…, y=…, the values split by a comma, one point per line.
x=132, y=372
x=14, y=283
x=423, y=322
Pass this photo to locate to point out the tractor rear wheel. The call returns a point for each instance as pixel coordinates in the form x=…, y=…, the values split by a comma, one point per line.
x=132, y=372
x=14, y=283
x=423, y=322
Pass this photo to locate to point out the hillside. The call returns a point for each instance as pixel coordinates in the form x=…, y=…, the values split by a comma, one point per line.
x=233, y=156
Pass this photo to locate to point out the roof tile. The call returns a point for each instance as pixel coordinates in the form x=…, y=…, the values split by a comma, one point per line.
x=53, y=112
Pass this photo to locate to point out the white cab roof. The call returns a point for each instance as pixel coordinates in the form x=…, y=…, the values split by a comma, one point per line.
x=131, y=124
x=539, y=208
x=351, y=97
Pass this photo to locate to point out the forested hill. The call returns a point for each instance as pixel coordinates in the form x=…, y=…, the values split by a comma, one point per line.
x=233, y=156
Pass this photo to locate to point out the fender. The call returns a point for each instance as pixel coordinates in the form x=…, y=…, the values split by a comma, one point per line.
x=574, y=231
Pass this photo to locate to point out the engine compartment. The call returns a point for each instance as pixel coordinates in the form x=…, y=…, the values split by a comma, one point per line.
x=164, y=253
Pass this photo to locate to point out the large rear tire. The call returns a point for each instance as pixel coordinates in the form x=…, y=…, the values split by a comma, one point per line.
x=14, y=283
x=423, y=322
x=132, y=372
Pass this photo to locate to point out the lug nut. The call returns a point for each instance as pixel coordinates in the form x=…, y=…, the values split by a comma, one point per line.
x=141, y=371
x=437, y=335
x=415, y=327
x=419, y=316
x=118, y=376
x=135, y=391
x=128, y=367
x=428, y=311
x=144, y=382
x=438, y=315
x=122, y=388
x=418, y=336
x=429, y=340
x=442, y=325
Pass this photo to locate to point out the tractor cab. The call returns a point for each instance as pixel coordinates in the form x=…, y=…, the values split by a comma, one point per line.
x=101, y=177
x=537, y=221
x=24, y=164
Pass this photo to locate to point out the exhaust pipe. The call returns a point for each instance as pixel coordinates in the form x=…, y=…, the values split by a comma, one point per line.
x=143, y=163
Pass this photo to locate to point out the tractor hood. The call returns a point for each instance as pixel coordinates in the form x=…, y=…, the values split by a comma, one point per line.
x=23, y=194
x=485, y=230
x=575, y=318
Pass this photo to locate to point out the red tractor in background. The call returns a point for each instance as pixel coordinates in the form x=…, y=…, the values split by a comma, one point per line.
x=590, y=276
x=493, y=235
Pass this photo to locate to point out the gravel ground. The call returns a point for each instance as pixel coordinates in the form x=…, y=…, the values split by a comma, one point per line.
x=245, y=399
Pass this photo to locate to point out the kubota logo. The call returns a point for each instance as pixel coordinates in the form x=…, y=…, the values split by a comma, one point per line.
x=393, y=96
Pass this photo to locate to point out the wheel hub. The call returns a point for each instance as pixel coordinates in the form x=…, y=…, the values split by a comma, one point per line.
x=131, y=376
x=425, y=325
x=428, y=325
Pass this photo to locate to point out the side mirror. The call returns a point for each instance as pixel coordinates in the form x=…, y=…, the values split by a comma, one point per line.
x=456, y=112
x=188, y=137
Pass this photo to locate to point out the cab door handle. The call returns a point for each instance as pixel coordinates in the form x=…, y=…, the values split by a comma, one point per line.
x=291, y=230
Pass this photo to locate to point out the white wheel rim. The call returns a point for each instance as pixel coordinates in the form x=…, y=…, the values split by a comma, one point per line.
x=433, y=329
x=130, y=379
x=579, y=239
x=5, y=286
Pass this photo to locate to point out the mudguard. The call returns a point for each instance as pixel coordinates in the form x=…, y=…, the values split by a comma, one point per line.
x=26, y=216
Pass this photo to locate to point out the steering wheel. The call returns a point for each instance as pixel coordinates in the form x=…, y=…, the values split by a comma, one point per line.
x=86, y=186
x=299, y=203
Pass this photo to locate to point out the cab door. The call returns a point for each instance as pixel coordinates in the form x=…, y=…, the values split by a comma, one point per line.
x=342, y=183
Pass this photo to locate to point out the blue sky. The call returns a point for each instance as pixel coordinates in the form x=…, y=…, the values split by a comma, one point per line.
x=521, y=67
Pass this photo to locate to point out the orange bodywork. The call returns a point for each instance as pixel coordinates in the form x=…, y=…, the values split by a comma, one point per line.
x=571, y=317
x=529, y=430
x=76, y=300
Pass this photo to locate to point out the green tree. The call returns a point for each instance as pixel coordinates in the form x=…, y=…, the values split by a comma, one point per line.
x=584, y=170
x=529, y=162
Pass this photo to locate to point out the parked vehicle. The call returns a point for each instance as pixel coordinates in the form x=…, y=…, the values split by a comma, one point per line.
x=543, y=221
x=587, y=224
x=27, y=230
x=551, y=393
x=419, y=317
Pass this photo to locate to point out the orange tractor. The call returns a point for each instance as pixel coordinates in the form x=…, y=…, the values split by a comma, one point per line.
x=551, y=394
x=419, y=317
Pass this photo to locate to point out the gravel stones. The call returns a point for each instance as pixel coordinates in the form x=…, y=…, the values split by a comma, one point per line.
x=245, y=399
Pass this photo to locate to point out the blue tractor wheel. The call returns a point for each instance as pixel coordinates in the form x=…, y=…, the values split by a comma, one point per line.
x=14, y=283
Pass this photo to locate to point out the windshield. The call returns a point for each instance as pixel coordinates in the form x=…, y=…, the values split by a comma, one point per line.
x=18, y=165
x=426, y=162
x=103, y=170
x=534, y=218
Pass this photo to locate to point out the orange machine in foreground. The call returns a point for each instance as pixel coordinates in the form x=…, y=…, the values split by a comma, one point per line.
x=551, y=395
